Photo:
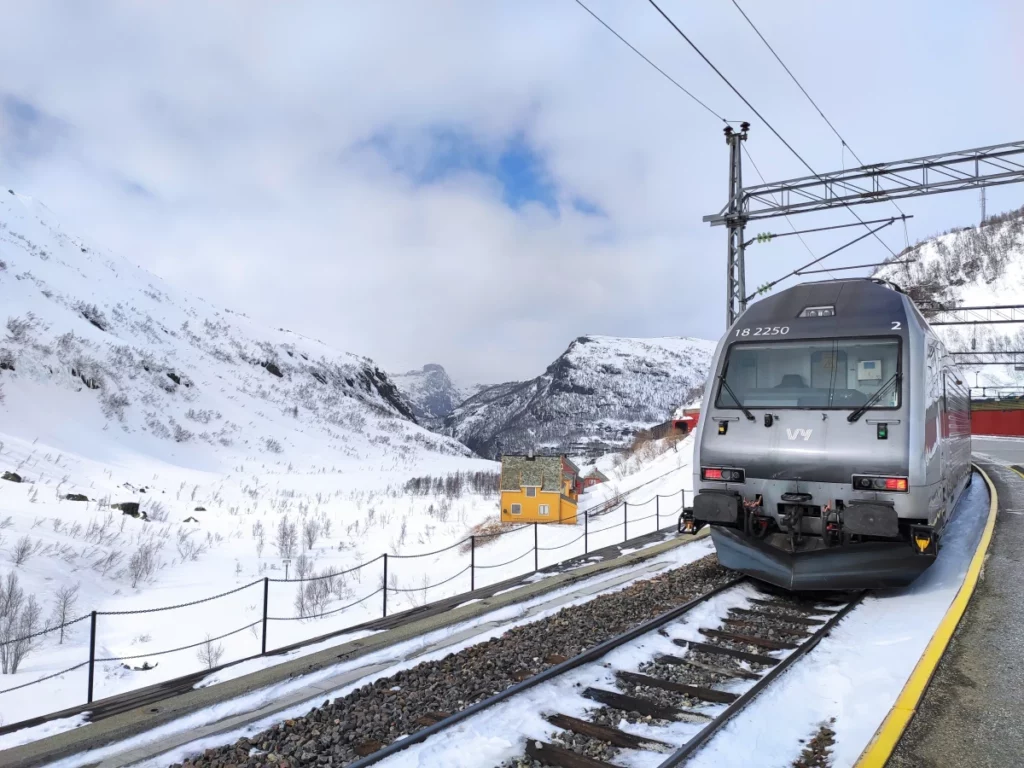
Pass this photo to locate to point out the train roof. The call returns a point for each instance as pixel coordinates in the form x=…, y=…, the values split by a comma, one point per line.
x=857, y=305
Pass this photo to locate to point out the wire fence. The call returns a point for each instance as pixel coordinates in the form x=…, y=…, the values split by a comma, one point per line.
x=383, y=588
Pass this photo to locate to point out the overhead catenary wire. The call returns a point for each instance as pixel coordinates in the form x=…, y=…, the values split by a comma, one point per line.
x=792, y=226
x=800, y=270
x=754, y=109
x=845, y=143
x=660, y=70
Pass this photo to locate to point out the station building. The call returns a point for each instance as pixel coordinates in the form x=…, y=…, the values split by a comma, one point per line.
x=539, y=489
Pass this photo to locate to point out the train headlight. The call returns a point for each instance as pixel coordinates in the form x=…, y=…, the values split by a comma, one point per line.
x=722, y=474
x=874, y=483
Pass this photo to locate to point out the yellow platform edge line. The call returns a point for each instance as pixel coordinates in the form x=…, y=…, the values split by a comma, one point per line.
x=883, y=743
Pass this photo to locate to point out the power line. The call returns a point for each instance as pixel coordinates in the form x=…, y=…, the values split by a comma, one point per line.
x=753, y=109
x=663, y=72
x=792, y=226
x=845, y=143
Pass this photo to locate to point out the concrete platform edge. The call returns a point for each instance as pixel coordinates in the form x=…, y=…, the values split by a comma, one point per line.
x=137, y=721
x=883, y=743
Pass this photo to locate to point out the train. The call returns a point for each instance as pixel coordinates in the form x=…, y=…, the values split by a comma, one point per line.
x=834, y=439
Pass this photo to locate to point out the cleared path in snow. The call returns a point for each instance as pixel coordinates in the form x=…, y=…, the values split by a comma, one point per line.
x=971, y=713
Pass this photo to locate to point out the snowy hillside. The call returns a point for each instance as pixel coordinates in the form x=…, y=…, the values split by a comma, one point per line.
x=430, y=392
x=973, y=266
x=95, y=345
x=601, y=390
x=240, y=444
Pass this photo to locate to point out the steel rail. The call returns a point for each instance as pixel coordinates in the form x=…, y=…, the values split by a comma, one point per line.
x=579, y=660
x=693, y=745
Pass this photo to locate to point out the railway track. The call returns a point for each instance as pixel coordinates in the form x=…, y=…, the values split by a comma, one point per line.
x=705, y=682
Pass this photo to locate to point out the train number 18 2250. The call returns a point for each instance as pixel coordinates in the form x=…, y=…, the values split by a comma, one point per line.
x=768, y=330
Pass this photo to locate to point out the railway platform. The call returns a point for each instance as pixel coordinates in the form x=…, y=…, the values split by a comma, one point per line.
x=971, y=714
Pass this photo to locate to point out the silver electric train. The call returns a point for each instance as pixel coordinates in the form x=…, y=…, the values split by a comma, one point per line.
x=834, y=439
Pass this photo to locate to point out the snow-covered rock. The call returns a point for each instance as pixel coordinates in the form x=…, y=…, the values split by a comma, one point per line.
x=601, y=390
x=430, y=392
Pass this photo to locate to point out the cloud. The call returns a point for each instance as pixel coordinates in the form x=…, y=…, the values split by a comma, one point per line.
x=467, y=183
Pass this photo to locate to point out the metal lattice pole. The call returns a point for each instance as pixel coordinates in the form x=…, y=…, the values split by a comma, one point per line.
x=736, y=280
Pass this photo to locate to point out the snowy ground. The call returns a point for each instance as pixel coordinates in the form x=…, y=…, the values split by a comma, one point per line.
x=855, y=677
x=397, y=657
x=358, y=521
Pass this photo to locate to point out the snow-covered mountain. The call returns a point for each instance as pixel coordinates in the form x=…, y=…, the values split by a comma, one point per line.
x=970, y=266
x=600, y=390
x=430, y=392
x=95, y=347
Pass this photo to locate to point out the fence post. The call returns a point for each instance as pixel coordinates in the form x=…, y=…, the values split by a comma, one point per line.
x=625, y=521
x=266, y=600
x=385, y=589
x=92, y=654
x=586, y=532
x=536, y=550
x=472, y=563
x=657, y=512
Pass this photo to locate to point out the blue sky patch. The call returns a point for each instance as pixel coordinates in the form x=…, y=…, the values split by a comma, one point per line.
x=440, y=152
x=28, y=133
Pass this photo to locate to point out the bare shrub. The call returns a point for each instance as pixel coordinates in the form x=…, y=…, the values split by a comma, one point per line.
x=210, y=653
x=259, y=534
x=113, y=404
x=64, y=607
x=187, y=548
x=19, y=620
x=157, y=512
x=303, y=567
x=286, y=538
x=273, y=445
x=142, y=564
x=310, y=532
x=21, y=551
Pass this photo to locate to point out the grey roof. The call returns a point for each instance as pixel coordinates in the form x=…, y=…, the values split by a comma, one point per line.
x=543, y=471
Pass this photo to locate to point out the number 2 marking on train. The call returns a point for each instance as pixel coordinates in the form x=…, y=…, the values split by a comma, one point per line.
x=896, y=325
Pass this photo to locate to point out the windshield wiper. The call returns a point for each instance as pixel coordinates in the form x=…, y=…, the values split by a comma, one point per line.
x=727, y=388
x=874, y=398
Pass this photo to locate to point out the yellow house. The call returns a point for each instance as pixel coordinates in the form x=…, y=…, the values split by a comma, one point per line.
x=539, y=489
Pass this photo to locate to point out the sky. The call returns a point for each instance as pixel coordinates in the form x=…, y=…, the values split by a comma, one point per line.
x=476, y=183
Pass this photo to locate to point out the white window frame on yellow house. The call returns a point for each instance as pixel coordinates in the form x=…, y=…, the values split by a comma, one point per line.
x=516, y=509
x=531, y=491
x=544, y=509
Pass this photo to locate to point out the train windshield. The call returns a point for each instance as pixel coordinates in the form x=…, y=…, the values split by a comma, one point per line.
x=813, y=373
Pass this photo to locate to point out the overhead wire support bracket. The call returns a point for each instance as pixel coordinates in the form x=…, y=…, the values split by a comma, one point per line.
x=800, y=270
x=879, y=182
x=767, y=237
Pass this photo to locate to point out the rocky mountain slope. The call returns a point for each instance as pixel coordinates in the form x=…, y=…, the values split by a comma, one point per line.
x=430, y=392
x=970, y=266
x=100, y=356
x=601, y=390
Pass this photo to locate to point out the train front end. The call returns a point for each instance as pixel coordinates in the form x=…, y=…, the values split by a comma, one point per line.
x=811, y=466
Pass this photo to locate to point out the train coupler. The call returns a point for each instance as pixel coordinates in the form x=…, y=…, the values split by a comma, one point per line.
x=923, y=539
x=686, y=522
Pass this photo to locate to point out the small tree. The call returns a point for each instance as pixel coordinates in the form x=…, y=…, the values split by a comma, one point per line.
x=21, y=550
x=64, y=607
x=310, y=532
x=209, y=652
x=286, y=538
x=303, y=566
x=142, y=564
x=19, y=620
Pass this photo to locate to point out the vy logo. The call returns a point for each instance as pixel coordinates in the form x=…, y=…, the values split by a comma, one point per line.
x=796, y=434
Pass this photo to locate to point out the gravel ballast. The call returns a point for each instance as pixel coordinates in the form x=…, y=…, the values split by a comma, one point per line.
x=340, y=731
